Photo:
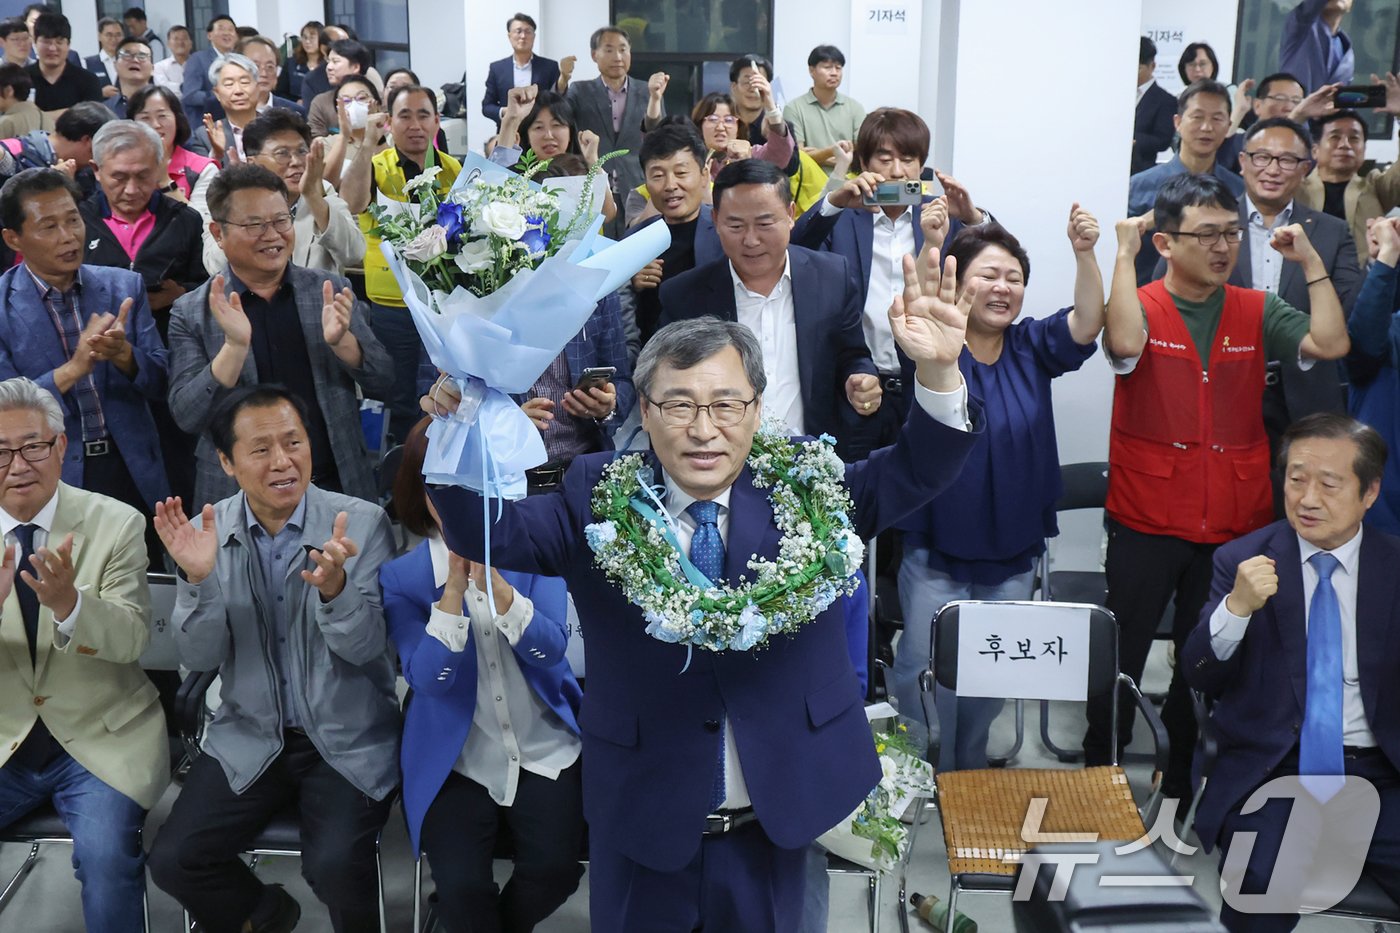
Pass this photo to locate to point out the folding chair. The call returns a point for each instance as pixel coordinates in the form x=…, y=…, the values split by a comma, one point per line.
x=282, y=834
x=984, y=812
x=1085, y=486
x=1368, y=902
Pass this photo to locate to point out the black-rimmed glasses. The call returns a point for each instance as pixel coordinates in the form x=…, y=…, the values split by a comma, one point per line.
x=32, y=453
x=1209, y=238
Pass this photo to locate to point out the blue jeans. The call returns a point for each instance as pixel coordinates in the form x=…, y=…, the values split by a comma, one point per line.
x=106, y=828
x=963, y=723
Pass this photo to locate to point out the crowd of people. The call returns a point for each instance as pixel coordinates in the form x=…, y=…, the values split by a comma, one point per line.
x=195, y=309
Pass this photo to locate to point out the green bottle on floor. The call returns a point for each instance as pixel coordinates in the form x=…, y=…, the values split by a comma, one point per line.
x=935, y=913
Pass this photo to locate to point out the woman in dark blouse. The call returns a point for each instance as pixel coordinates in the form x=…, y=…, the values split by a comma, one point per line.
x=981, y=537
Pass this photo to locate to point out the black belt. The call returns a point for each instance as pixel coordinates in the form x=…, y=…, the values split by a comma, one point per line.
x=726, y=821
x=893, y=385
x=1361, y=751
x=98, y=448
x=546, y=477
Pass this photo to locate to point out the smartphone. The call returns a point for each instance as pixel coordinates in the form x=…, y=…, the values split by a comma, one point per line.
x=1361, y=95
x=595, y=377
x=896, y=194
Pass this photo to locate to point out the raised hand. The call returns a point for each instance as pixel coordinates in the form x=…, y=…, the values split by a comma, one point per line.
x=519, y=102
x=215, y=130
x=959, y=200
x=1292, y=243
x=111, y=343
x=656, y=84
x=52, y=581
x=1317, y=104
x=1243, y=100
x=864, y=393
x=1083, y=229
x=329, y=575
x=1130, y=231
x=335, y=313
x=855, y=190
x=376, y=132
x=933, y=221
x=311, y=179
x=842, y=154
x=1392, y=93
x=930, y=323
x=503, y=591
x=228, y=314
x=1255, y=581
x=758, y=83
x=588, y=144
x=193, y=548
x=1383, y=237
x=566, y=65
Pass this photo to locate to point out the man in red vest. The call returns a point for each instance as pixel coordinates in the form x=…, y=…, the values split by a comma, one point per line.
x=1188, y=456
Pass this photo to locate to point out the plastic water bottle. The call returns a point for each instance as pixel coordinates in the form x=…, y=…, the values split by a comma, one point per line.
x=935, y=913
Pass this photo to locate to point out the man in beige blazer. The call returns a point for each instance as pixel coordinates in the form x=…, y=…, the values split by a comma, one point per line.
x=81, y=726
x=1338, y=187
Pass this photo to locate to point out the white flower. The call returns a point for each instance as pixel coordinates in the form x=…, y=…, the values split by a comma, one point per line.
x=889, y=773
x=503, y=219
x=426, y=246
x=422, y=180
x=475, y=256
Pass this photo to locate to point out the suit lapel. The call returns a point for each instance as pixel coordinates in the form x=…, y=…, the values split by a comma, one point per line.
x=918, y=231
x=722, y=285
x=1375, y=601
x=751, y=528
x=13, y=635
x=1242, y=276
x=865, y=243
x=801, y=299
x=68, y=519
x=1289, y=611
x=41, y=335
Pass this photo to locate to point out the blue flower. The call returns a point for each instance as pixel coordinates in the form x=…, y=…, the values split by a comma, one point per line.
x=753, y=626
x=536, y=237
x=825, y=438
x=600, y=535
x=452, y=218
x=842, y=519
x=658, y=629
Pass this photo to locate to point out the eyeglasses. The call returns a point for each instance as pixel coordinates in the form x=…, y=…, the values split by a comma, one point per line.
x=51, y=42
x=285, y=156
x=1209, y=238
x=1286, y=162
x=134, y=56
x=724, y=413
x=281, y=223
x=714, y=119
x=1284, y=99
x=32, y=453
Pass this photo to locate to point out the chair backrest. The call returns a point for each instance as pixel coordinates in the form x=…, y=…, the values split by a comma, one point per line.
x=160, y=654
x=1085, y=486
x=1027, y=650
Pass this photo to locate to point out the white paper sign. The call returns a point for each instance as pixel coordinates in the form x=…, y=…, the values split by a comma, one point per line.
x=1022, y=652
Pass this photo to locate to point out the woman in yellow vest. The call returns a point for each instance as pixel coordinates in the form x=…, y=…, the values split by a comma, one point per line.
x=377, y=176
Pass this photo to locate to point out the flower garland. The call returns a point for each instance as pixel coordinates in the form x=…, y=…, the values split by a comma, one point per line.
x=817, y=558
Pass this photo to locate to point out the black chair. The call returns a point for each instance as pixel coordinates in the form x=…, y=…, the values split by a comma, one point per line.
x=1367, y=902
x=1085, y=487
x=282, y=834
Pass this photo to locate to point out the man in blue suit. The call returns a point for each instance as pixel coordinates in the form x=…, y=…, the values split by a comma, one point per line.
x=682, y=839
x=1298, y=648
x=892, y=146
x=197, y=91
x=521, y=68
x=803, y=305
x=673, y=164
x=84, y=333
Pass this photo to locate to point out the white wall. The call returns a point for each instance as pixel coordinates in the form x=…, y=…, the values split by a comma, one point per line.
x=435, y=34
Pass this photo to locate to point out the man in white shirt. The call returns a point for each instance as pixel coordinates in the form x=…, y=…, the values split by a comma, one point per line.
x=81, y=727
x=170, y=72
x=1296, y=649
x=804, y=306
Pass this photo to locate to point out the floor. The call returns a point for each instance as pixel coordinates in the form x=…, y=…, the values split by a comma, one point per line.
x=47, y=902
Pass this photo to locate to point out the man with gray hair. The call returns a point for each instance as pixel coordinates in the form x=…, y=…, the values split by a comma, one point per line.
x=84, y=333
x=81, y=728
x=234, y=77
x=700, y=791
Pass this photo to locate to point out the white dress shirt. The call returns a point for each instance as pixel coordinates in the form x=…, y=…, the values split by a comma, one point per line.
x=1227, y=630
x=524, y=74
x=44, y=521
x=110, y=63
x=1142, y=88
x=773, y=320
x=169, y=73
x=893, y=240
x=1265, y=263
x=512, y=728
x=949, y=408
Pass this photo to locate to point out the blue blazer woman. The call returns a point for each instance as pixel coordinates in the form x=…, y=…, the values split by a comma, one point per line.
x=439, y=717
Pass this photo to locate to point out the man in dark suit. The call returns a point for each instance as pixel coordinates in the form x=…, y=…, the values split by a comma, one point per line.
x=1283, y=148
x=1153, y=127
x=893, y=145
x=803, y=305
x=103, y=65
x=85, y=334
x=673, y=161
x=1297, y=648
x=679, y=840
x=618, y=109
x=523, y=67
x=197, y=91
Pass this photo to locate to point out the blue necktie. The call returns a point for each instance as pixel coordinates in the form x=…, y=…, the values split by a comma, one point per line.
x=28, y=600
x=707, y=554
x=1320, y=745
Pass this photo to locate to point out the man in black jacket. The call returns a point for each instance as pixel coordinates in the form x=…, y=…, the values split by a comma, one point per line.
x=1152, y=123
x=133, y=225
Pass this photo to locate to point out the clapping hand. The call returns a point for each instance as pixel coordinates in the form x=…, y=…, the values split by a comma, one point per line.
x=1083, y=229
x=228, y=314
x=930, y=323
x=311, y=179
x=194, y=549
x=53, y=581
x=336, y=310
x=215, y=131
x=111, y=344
x=503, y=591
x=329, y=575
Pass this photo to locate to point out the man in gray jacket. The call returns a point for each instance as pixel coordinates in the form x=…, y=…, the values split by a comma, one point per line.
x=279, y=592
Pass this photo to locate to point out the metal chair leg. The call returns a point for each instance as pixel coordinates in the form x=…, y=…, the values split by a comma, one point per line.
x=379, y=873
x=1068, y=756
x=24, y=869
x=418, y=895
x=874, y=896
x=953, y=896
x=1001, y=761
